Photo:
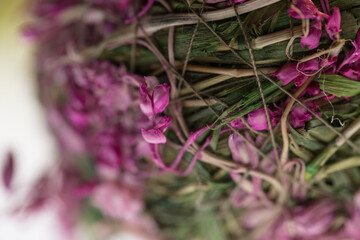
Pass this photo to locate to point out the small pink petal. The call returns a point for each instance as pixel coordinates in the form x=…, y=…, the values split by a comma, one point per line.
x=303, y=9
x=300, y=80
x=237, y=124
x=242, y=151
x=162, y=123
x=153, y=136
x=309, y=66
x=299, y=114
x=333, y=25
x=287, y=73
x=350, y=73
x=160, y=97
x=312, y=40
x=257, y=119
x=8, y=171
x=145, y=101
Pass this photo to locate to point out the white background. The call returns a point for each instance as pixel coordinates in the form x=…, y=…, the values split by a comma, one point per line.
x=22, y=130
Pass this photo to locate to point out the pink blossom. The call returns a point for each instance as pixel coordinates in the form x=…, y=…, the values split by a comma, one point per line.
x=118, y=200
x=351, y=62
x=155, y=100
x=257, y=119
x=287, y=73
x=242, y=151
x=237, y=124
x=153, y=136
x=299, y=114
x=303, y=9
x=313, y=38
x=160, y=97
x=352, y=73
x=333, y=25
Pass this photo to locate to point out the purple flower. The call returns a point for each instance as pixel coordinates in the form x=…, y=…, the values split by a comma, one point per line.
x=242, y=151
x=287, y=73
x=313, y=38
x=303, y=9
x=306, y=9
x=352, y=73
x=333, y=25
x=153, y=101
x=352, y=59
x=257, y=119
x=300, y=72
x=237, y=124
x=299, y=114
x=153, y=136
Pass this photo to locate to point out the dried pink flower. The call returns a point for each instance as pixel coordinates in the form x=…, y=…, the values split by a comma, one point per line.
x=242, y=151
x=333, y=25
x=299, y=114
x=311, y=41
x=257, y=119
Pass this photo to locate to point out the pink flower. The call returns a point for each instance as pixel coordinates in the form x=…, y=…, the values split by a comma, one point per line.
x=352, y=59
x=237, y=124
x=155, y=100
x=303, y=9
x=257, y=119
x=352, y=73
x=153, y=136
x=287, y=73
x=299, y=114
x=306, y=9
x=313, y=38
x=333, y=25
x=120, y=201
x=152, y=103
x=300, y=72
x=242, y=151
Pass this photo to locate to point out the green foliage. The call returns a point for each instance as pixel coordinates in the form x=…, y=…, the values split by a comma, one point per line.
x=339, y=86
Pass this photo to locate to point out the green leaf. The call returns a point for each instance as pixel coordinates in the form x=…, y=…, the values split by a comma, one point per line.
x=304, y=139
x=338, y=85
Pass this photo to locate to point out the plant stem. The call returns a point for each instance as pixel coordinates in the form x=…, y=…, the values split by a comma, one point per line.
x=276, y=37
x=329, y=151
x=153, y=24
x=338, y=166
x=224, y=74
x=285, y=150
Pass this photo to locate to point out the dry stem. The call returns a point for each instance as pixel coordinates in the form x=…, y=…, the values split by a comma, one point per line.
x=285, y=150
